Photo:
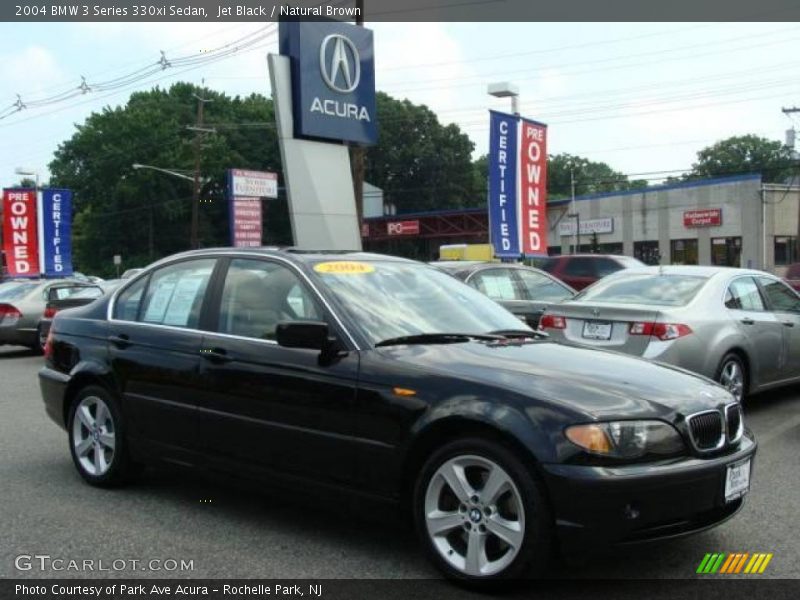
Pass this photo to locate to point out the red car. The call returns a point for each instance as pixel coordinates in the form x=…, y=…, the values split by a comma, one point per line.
x=793, y=276
x=581, y=270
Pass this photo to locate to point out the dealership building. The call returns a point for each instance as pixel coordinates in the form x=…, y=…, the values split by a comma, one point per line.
x=730, y=221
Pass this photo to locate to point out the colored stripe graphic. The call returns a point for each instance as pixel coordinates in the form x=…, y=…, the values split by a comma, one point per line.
x=733, y=563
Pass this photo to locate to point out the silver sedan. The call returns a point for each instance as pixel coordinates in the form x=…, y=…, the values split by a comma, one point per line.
x=738, y=327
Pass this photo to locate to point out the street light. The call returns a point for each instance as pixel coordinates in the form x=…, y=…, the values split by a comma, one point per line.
x=28, y=173
x=194, y=233
x=506, y=89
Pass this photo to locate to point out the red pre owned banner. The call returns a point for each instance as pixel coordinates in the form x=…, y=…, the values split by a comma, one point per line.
x=533, y=187
x=20, y=240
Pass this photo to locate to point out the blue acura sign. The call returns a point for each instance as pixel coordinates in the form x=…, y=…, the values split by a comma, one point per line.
x=333, y=80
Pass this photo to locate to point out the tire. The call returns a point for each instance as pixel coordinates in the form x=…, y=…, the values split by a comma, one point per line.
x=468, y=547
x=98, y=446
x=39, y=341
x=732, y=375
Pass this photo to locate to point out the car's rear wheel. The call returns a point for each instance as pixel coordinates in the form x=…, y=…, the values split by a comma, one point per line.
x=480, y=513
x=732, y=375
x=97, y=438
x=41, y=337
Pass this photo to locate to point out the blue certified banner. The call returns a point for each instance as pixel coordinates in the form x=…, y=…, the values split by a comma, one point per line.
x=56, y=242
x=333, y=80
x=503, y=160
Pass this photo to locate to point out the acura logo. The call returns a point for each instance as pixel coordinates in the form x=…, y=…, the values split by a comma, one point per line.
x=339, y=63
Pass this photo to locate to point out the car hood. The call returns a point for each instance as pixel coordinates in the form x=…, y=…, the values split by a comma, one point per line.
x=598, y=383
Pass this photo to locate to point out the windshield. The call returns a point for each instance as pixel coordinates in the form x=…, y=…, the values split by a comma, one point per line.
x=652, y=289
x=389, y=300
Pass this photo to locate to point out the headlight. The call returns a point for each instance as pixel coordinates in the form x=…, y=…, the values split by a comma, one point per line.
x=626, y=439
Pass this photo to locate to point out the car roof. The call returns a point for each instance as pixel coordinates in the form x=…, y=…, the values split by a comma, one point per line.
x=295, y=255
x=693, y=270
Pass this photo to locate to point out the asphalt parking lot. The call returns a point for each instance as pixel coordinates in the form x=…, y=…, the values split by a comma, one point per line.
x=234, y=533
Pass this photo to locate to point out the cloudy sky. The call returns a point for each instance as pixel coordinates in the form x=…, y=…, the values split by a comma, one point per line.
x=642, y=97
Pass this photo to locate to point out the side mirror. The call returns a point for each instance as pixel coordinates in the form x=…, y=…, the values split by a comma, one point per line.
x=312, y=335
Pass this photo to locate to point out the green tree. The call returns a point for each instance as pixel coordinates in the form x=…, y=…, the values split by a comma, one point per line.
x=141, y=214
x=744, y=154
x=420, y=163
x=590, y=177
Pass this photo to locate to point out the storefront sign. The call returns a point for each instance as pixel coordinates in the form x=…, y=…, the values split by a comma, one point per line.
x=517, y=186
x=257, y=184
x=333, y=80
x=709, y=217
x=20, y=239
x=56, y=243
x=402, y=228
x=533, y=187
x=588, y=226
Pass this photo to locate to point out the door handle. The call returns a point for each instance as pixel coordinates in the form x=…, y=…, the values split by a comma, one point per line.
x=216, y=355
x=747, y=321
x=788, y=323
x=122, y=340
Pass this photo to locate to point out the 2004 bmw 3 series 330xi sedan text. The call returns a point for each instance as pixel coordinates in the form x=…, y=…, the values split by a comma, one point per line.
x=388, y=377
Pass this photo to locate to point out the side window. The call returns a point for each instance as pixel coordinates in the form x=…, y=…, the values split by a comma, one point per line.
x=780, y=296
x=606, y=266
x=579, y=267
x=498, y=284
x=175, y=294
x=743, y=294
x=127, y=305
x=539, y=287
x=258, y=295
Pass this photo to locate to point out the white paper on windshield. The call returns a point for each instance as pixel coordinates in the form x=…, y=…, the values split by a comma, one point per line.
x=159, y=301
x=183, y=297
x=498, y=287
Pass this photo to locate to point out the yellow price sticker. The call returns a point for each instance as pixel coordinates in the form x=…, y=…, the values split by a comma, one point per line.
x=344, y=267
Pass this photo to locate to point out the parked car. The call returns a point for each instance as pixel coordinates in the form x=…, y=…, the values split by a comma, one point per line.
x=524, y=291
x=792, y=276
x=86, y=295
x=22, y=305
x=387, y=377
x=736, y=326
x=582, y=270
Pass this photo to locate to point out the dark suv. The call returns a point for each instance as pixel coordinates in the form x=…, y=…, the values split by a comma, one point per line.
x=581, y=270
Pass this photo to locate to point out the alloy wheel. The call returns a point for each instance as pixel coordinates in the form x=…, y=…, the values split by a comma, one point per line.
x=732, y=378
x=474, y=515
x=94, y=436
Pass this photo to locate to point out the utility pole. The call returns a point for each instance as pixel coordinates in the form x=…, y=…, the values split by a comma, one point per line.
x=790, y=111
x=199, y=130
x=357, y=152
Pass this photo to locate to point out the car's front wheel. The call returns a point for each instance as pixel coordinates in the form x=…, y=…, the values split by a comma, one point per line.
x=96, y=438
x=480, y=513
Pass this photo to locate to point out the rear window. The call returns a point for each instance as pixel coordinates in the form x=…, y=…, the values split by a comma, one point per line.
x=656, y=290
x=14, y=290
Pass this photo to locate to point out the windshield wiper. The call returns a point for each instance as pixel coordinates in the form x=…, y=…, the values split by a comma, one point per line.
x=438, y=338
x=520, y=333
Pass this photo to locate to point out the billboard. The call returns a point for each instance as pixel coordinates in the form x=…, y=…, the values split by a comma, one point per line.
x=257, y=184
x=517, y=186
x=56, y=242
x=588, y=226
x=333, y=80
x=20, y=229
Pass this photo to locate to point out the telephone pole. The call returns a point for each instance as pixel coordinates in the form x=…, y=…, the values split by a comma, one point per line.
x=790, y=111
x=357, y=152
x=199, y=130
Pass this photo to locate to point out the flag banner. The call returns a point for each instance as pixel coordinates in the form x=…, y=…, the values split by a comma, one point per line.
x=533, y=188
x=56, y=242
x=20, y=239
x=503, y=205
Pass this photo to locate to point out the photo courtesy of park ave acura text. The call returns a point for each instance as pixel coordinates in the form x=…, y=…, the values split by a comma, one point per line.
x=355, y=299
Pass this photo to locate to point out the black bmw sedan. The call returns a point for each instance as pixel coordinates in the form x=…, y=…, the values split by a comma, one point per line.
x=387, y=377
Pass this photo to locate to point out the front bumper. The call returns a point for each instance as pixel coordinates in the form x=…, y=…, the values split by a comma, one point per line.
x=636, y=503
x=53, y=385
